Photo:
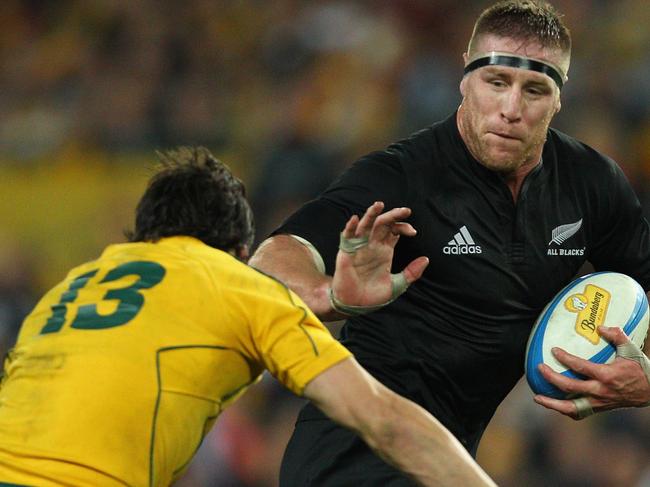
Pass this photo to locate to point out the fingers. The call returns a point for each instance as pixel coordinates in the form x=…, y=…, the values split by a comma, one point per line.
x=577, y=364
x=368, y=219
x=567, y=408
x=576, y=409
x=391, y=220
x=583, y=407
x=415, y=269
x=613, y=334
x=381, y=224
x=402, y=228
x=351, y=227
x=568, y=384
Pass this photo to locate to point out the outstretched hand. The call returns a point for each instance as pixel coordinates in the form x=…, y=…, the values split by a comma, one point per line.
x=622, y=383
x=362, y=276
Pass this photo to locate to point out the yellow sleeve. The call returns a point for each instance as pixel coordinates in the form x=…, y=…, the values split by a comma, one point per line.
x=290, y=341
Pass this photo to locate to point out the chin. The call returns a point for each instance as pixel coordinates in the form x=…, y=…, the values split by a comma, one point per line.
x=502, y=162
x=500, y=168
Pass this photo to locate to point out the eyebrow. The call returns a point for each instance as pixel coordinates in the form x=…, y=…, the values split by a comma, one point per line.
x=499, y=71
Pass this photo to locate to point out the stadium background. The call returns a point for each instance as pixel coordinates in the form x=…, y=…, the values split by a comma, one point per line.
x=288, y=93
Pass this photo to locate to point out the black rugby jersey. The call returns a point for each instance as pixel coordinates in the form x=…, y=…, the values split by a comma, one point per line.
x=455, y=341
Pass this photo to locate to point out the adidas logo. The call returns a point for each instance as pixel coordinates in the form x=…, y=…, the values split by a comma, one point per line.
x=462, y=244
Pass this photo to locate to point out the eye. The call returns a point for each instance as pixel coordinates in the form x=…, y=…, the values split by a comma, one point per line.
x=537, y=91
x=499, y=83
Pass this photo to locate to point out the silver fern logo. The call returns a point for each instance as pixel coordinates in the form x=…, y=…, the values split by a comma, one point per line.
x=564, y=232
x=561, y=234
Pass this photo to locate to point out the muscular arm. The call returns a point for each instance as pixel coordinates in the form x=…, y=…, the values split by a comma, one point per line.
x=398, y=430
x=362, y=276
x=288, y=260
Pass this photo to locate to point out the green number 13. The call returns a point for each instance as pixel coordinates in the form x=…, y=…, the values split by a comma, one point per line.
x=130, y=299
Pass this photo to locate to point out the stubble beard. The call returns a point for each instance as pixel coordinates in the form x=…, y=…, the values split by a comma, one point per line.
x=485, y=154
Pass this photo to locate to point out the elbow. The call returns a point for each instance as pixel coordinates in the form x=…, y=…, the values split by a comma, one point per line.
x=260, y=259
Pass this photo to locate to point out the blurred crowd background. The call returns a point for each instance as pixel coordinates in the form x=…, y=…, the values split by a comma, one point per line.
x=288, y=93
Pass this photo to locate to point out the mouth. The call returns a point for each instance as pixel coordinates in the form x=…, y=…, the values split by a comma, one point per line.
x=504, y=135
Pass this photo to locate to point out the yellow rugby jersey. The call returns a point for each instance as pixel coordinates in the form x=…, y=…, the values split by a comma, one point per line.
x=120, y=370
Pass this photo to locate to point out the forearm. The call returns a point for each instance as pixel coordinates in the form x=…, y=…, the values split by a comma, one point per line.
x=415, y=442
x=286, y=259
x=398, y=430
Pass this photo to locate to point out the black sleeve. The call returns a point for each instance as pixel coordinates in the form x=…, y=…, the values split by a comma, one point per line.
x=379, y=176
x=623, y=243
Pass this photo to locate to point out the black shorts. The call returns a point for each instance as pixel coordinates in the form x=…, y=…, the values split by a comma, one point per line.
x=321, y=453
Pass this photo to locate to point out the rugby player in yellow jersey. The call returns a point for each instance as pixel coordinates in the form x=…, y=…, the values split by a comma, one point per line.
x=122, y=368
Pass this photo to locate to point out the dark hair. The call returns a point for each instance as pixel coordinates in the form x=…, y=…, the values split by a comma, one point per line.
x=526, y=19
x=196, y=195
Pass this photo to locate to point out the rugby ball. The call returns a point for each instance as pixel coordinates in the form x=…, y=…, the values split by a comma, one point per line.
x=571, y=320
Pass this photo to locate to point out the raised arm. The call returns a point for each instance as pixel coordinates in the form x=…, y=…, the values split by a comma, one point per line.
x=398, y=430
x=285, y=258
x=362, y=279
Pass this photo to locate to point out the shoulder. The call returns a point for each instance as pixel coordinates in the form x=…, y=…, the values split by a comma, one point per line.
x=201, y=265
x=415, y=144
x=249, y=280
x=573, y=153
x=418, y=151
x=426, y=144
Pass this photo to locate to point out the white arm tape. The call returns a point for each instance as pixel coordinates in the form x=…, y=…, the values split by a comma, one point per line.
x=318, y=260
x=631, y=352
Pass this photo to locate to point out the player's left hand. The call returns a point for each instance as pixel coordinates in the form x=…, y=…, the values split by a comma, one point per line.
x=623, y=383
x=362, y=277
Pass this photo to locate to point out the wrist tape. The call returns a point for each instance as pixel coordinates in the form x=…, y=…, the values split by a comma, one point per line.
x=631, y=352
x=398, y=286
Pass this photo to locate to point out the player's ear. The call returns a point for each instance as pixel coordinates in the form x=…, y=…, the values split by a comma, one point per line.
x=463, y=85
x=243, y=253
x=558, y=105
x=240, y=252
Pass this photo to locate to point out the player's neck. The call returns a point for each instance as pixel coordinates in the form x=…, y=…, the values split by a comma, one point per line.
x=515, y=179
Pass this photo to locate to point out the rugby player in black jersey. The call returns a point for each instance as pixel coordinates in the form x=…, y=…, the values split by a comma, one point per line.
x=507, y=211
